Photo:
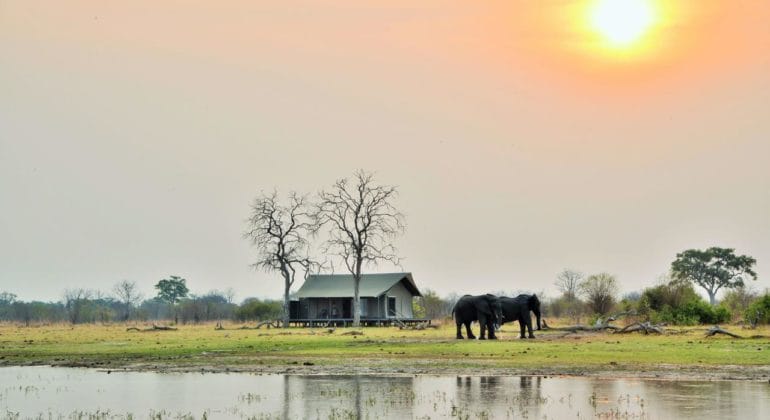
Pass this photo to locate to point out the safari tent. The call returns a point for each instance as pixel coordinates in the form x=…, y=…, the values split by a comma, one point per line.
x=324, y=299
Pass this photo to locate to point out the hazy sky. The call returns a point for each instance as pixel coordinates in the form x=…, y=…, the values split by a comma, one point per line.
x=134, y=135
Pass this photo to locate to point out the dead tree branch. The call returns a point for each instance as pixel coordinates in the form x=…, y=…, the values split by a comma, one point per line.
x=716, y=329
x=153, y=328
x=644, y=327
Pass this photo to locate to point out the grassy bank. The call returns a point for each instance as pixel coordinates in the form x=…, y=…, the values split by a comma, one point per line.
x=384, y=350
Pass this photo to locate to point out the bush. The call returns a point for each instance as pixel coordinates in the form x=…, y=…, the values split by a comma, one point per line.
x=671, y=295
x=259, y=310
x=739, y=299
x=759, y=311
x=563, y=306
x=679, y=304
x=696, y=311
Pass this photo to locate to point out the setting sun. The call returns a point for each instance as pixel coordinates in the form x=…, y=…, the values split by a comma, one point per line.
x=622, y=22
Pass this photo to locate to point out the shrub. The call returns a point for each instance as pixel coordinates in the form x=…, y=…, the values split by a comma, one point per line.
x=693, y=312
x=258, y=310
x=759, y=311
x=563, y=306
x=670, y=295
x=739, y=299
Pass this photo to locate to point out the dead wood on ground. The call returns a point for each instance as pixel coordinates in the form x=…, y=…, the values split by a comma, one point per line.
x=716, y=329
x=153, y=328
x=645, y=327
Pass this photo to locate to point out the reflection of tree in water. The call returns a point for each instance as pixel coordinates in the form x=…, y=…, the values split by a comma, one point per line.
x=519, y=394
x=350, y=397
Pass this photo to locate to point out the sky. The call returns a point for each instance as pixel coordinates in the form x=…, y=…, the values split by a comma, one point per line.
x=134, y=136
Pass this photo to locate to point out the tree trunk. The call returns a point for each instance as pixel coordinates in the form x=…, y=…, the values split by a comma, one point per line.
x=356, y=302
x=286, y=305
x=286, y=289
x=356, y=298
x=712, y=297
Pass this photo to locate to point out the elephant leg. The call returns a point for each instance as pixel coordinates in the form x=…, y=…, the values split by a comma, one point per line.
x=469, y=331
x=529, y=327
x=491, y=328
x=459, y=330
x=522, y=328
x=483, y=326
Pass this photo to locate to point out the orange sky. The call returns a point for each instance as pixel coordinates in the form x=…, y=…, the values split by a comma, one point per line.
x=134, y=134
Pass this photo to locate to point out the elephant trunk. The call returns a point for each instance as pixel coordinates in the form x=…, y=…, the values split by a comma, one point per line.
x=537, y=314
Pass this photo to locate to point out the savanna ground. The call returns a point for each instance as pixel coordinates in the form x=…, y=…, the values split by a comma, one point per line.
x=682, y=353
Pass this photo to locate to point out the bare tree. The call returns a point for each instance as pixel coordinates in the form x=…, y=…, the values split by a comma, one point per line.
x=74, y=300
x=362, y=222
x=600, y=291
x=128, y=294
x=280, y=234
x=229, y=294
x=568, y=282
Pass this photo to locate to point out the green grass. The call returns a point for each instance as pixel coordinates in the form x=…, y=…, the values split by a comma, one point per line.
x=431, y=350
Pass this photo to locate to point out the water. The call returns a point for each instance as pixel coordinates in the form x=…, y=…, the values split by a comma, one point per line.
x=45, y=392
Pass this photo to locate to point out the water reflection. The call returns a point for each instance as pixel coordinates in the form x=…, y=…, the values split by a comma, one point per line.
x=55, y=392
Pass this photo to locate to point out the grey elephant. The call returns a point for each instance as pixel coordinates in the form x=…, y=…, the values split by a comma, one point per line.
x=486, y=309
x=518, y=309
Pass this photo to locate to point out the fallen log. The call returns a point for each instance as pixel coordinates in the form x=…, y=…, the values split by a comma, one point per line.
x=644, y=327
x=153, y=328
x=162, y=328
x=576, y=328
x=270, y=324
x=716, y=329
x=420, y=326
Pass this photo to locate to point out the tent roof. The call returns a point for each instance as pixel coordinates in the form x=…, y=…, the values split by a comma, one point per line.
x=341, y=285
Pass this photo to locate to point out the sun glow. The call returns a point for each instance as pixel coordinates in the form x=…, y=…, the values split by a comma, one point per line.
x=622, y=23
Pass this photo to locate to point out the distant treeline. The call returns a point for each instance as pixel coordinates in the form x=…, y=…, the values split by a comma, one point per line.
x=671, y=301
x=582, y=298
x=85, y=306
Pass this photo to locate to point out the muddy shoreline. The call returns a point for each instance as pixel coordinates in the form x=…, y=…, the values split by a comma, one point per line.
x=422, y=367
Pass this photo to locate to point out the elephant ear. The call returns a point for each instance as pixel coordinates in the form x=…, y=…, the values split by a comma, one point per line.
x=534, y=302
x=482, y=305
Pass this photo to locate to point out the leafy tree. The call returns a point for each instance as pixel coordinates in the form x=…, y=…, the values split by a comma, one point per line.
x=713, y=269
x=600, y=291
x=171, y=290
x=362, y=221
x=280, y=232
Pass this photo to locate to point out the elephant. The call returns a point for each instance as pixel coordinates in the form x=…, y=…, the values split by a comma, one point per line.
x=485, y=309
x=518, y=308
